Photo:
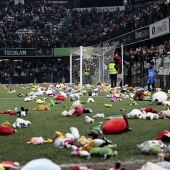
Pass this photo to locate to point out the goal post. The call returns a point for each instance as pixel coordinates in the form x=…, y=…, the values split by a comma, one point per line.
x=89, y=65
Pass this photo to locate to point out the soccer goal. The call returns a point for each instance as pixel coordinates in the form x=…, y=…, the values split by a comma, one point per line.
x=88, y=65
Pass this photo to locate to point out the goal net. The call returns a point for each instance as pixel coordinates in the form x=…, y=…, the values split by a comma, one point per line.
x=88, y=65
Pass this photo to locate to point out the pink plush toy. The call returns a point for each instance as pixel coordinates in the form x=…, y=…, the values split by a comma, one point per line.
x=37, y=140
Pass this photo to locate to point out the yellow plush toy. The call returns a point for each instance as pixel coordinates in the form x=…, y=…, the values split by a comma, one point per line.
x=90, y=145
x=56, y=135
x=39, y=101
x=42, y=107
x=84, y=141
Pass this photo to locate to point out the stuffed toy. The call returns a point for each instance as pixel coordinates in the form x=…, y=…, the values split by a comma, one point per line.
x=10, y=91
x=83, y=141
x=139, y=95
x=164, y=136
x=6, y=123
x=52, y=103
x=11, y=112
x=158, y=97
x=153, y=166
x=148, y=109
x=135, y=113
x=133, y=102
x=56, y=135
x=6, y=130
x=39, y=101
x=20, y=95
x=30, y=98
x=106, y=151
x=74, y=131
x=75, y=110
x=21, y=123
x=108, y=105
x=164, y=114
x=87, y=110
x=88, y=119
x=116, y=125
x=165, y=103
x=95, y=132
x=37, y=140
x=22, y=113
x=151, y=116
x=9, y=165
x=41, y=164
x=62, y=143
x=42, y=107
x=77, y=152
x=148, y=147
x=90, y=100
x=99, y=115
x=60, y=98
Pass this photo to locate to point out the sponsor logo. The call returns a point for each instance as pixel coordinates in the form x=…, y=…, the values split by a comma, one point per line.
x=141, y=34
x=15, y=52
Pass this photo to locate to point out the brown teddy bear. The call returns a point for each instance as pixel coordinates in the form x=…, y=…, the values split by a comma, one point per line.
x=139, y=95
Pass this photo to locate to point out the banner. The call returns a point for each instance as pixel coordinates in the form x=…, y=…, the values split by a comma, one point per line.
x=141, y=34
x=159, y=28
x=56, y=1
x=18, y=52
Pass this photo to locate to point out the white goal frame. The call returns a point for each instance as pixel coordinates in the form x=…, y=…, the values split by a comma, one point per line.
x=98, y=50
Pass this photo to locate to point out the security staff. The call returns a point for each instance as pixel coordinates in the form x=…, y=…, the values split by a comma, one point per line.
x=87, y=75
x=113, y=73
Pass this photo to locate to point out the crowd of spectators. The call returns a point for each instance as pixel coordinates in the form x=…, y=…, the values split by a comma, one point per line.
x=40, y=24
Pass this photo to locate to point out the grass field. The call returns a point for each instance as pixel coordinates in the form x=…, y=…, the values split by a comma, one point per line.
x=44, y=123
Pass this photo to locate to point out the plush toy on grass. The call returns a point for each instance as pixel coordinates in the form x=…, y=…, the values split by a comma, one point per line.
x=95, y=132
x=75, y=110
x=135, y=113
x=151, y=147
x=88, y=119
x=42, y=107
x=158, y=97
x=6, y=123
x=52, y=103
x=56, y=135
x=21, y=123
x=37, y=140
x=5, y=165
x=6, y=130
x=106, y=151
x=39, y=101
x=133, y=102
x=99, y=115
x=22, y=113
x=164, y=114
x=165, y=103
x=108, y=105
x=90, y=100
x=151, y=116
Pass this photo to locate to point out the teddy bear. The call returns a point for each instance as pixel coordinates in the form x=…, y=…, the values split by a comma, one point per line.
x=139, y=95
x=42, y=107
x=75, y=110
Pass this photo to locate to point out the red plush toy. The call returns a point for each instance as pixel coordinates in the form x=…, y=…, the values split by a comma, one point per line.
x=6, y=130
x=148, y=109
x=60, y=98
x=116, y=125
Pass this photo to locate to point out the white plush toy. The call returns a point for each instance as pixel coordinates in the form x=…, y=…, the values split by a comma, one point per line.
x=90, y=100
x=21, y=123
x=99, y=115
x=151, y=116
x=88, y=119
x=159, y=97
x=165, y=103
x=135, y=113
x=75, y=133
x=151, y=166
x=61, y=143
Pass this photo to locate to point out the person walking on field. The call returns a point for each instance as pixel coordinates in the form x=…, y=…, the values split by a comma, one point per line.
x=151, y=76
x=113, y=73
